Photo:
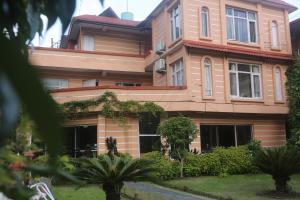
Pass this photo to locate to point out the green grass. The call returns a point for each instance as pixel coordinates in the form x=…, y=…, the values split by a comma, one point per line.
x=95, y=193
x=239, y=187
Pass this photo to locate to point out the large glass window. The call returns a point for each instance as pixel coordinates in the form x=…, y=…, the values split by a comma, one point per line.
x=177, y=73
x=278, y=85
x=90, y=83
x=213, y=136
x=204, y=22
x=88, y=43
x=149, y=139
x=241, y=25
x=54, y=84
x=208, y=77
x=245, y=80
x=275, y=38
x=175, y=23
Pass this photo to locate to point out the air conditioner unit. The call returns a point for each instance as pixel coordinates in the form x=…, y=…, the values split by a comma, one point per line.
x=160, y=47
x=160, y=66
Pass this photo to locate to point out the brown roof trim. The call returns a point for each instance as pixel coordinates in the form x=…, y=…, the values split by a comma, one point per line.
x=114, y=87
x=237, y=50
x=89, y=52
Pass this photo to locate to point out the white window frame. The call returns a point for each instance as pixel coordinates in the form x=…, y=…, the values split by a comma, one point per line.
x=278, y=84
x=252, y=74
x=208, y=83
x=175, y=12
x=177, y=70
x=205, y=11
x=248, y=24
x=88, y=43
x=62, y=83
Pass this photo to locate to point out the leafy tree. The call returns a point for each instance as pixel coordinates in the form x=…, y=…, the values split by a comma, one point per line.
x=293, y=89
x=19, y=82
x=280, y=163
x=111, y=172
x=179, y=133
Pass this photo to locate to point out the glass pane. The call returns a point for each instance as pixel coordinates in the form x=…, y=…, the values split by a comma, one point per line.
x=232, y=66
x=243, y=134
x=230, y=28
x=233, y=86
x=245, y=85
x=149, y=144
x=240, y=13
x=244, y=67
x=208, y=79
x=241, y=30
x=229, y=11
x=208, y=138
x=278, y=89
x=256, y=82
x=148, y=124
x=204, y=24
x=177, y=24
x=274, y=35
x=226, y=136
x=255, y=69
x=252, y=26
x=251, y=16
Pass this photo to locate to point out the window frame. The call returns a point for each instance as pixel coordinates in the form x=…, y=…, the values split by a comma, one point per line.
x=205, y=96
x=234, y=39
x=174, y=13
x=277, y=35
x=252, y=74
x=176, y=68
x=45, y=80
x=275, y=85
x=201, y=12
x=84, y=38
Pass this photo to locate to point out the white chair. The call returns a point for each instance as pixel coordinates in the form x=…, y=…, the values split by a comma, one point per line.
x=43, y=192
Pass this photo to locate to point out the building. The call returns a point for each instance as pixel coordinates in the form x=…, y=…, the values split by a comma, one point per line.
x=220, y=62
x=295, y=35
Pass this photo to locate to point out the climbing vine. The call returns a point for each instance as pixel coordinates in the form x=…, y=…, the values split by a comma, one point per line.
x=110, y=107
x=293, y=88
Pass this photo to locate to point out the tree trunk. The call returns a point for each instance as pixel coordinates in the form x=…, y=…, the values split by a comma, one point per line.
x=281, y=185
x=111, y=192
x=181, y=167
x=113, y=196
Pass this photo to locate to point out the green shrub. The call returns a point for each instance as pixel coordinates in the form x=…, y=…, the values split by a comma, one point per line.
x=164, y=168
x=201, y=165
x=64, y=162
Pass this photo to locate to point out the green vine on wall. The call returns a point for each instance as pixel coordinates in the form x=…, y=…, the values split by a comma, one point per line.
x=110, y=106
x=293, y=88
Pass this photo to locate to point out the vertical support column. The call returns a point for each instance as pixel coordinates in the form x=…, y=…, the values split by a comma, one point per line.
x=226, y=80
x=196, y=144
x=260, y=26
x=223, y=22
x=287, y=31
x=101, y=134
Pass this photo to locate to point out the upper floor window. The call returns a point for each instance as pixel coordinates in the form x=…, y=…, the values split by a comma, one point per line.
x=245, y=80
x=175, y=23
x=90, y=83
x=278, y=85
x=88, y=43
x=128, y=84
x=208, y=77
x=275, y=36
x=177, y=73
x=53, y=84
x=241, y=25
x=204, y=22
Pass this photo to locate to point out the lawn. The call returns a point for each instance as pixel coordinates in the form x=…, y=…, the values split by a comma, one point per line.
x=95, y=193
x=239, y=187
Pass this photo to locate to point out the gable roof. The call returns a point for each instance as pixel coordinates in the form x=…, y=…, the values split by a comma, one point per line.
x=105, y=20
x=109, y=12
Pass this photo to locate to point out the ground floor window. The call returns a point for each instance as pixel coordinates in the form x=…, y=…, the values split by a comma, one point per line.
x=224, y=136
x=149, y=139
x=80, y=141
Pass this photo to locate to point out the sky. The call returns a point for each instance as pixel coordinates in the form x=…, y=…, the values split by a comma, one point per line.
x=140, y=8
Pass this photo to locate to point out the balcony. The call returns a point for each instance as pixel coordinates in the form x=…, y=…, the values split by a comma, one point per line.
x=86, y=60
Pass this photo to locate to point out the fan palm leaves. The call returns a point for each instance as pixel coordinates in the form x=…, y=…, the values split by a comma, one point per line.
x=111, y=172
x=280, y=163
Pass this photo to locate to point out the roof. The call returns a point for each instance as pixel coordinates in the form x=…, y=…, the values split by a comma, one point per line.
x=109, y=12
x=106, y=20
x=289, y=7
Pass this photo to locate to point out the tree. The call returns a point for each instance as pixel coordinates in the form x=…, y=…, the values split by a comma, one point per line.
x=293, y=89
x=111, y=172
x=179, y=133
x=280, y=163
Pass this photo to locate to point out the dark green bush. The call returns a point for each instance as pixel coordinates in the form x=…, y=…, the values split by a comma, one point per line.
x=164, y=168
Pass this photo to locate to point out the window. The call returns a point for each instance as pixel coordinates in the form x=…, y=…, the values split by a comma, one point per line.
x=175, y=23
x=205, y=22
x=241, y=25
x=128, y=84
x=213, y=136
x=208, y=77
x=245, y=80
x=275, y=38
x=177, y=74
x=149, y=139
x=278, y=85
x=90, y=83
x=54, y=84
x=88, y=43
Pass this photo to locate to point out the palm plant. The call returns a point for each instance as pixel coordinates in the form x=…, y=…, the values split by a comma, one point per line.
x=111, y=172
x=280, y=163
x=111, y=146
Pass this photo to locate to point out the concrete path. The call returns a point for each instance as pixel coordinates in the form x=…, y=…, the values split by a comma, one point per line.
x=164, y=192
